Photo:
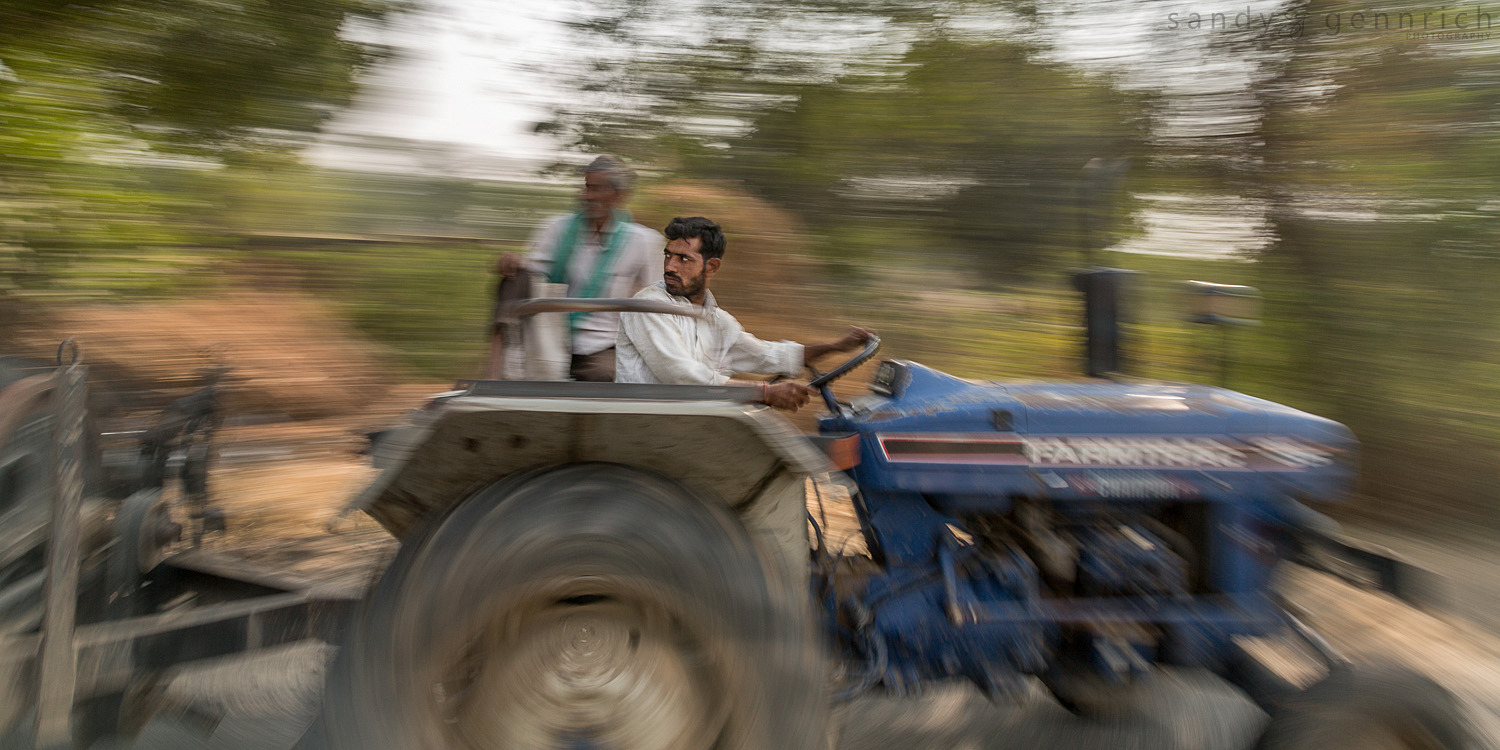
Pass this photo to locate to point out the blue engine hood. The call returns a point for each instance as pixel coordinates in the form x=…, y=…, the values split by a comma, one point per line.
x=926, y=431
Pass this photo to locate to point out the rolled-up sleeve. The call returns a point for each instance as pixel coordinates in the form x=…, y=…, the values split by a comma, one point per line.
x=664, y=350
x=750, y=354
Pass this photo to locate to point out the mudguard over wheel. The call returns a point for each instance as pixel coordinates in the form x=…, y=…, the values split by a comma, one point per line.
x=1378, y=709
x=589, y=606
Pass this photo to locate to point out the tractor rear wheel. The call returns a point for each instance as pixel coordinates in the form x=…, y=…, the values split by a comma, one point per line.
x=591, y=606
x=1385, y=709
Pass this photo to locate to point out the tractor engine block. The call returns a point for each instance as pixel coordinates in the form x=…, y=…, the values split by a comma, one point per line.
x=975, y=610
x=970, y=618
x=1126, y=559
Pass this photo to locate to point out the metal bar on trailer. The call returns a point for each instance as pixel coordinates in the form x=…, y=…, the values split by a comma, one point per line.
x=110, y=655
x=537, y=305
x=57, y=664
x=626, y=391
x=205, y=571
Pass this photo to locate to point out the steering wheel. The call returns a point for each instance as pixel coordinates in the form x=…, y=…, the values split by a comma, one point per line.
x=821, y=381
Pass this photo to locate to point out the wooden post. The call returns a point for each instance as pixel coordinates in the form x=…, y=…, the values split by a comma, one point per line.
x=57, y=675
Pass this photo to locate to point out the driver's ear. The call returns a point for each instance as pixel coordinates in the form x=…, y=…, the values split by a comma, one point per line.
x=711, y=267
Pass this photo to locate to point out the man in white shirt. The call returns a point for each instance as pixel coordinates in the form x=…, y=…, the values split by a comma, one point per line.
x=704, y=349
x=598, y=252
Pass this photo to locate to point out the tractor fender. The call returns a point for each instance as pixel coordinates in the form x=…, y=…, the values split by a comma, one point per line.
x=746, y=456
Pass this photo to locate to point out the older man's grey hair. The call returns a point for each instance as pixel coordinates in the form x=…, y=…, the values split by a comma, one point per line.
x=620, y=177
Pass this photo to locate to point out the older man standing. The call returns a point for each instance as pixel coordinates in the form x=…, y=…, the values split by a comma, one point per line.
x=598, y=252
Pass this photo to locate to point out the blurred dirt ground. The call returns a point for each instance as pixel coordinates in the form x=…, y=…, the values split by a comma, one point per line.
x=289, y=355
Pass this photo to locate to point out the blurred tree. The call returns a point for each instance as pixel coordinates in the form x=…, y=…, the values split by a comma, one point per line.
x=93, y=91
x=1374, y=147
x=854, y=112
x=980, y=143
x=217, y=76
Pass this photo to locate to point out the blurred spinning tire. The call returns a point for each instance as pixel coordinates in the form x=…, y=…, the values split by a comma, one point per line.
x=589, y=606
x=1378, y=709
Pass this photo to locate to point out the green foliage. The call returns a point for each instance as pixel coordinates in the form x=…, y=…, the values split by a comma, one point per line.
x=207, y=72
x=227, y=76
x=1374, y=155
x=427, y=302
x=94, y=94
x=337, y=235
x=979, y=145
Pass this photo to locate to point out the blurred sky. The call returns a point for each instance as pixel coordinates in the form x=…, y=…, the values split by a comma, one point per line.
x=460, y=78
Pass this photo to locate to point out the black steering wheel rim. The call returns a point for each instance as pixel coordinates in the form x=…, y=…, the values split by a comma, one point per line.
x=821, y=381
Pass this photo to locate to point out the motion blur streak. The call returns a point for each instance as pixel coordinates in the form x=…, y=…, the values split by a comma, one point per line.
x=314, y=194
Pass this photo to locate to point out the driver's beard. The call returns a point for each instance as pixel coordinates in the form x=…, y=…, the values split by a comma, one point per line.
x=693, y=286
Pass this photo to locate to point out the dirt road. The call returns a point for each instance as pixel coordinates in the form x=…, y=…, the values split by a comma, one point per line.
x=284, y=517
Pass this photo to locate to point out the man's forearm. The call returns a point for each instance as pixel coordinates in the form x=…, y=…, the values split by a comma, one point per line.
x=785, y=395
x=761, y=387
x=811, y=352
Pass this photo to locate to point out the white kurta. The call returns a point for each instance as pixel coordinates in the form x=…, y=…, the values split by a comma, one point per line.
x=701, y=350
x=638, y=264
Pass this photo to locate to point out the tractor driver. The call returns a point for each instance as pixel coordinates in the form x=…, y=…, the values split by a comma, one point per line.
x=705, y=349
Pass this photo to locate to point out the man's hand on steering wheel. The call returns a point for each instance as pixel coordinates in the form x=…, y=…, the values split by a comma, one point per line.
x=869, y=344
x=786, y=395
x=791, y=396
x=854, y=339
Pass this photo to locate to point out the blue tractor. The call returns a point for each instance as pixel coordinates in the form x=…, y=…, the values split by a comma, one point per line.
x=1108, y=526
x=627, y=566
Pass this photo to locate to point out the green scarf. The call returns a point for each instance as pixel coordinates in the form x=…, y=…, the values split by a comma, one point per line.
x=619, y=223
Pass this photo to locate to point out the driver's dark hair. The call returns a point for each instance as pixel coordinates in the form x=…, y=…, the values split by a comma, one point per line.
x=706, y=231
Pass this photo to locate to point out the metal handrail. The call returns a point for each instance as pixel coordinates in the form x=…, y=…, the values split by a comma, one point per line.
x=529, y=307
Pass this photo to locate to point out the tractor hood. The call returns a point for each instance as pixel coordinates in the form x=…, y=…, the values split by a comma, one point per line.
x=927, y=431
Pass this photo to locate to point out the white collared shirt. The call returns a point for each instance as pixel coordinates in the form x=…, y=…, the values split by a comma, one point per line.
x=638, y=264
x=697, y=350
